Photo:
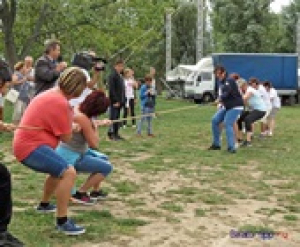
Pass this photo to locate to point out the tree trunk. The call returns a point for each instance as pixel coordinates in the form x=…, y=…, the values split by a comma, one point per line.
x=8, y=17
x=10, y=47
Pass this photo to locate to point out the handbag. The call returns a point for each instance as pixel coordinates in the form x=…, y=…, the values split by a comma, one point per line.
x=12, y=95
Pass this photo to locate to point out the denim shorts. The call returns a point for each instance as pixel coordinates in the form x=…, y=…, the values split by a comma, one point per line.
x=89, y=162
x=44, y=159
x=93, y=162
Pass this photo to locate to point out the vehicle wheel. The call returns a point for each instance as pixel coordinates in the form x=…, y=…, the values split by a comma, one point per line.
x=197, y=101
x=207, y=98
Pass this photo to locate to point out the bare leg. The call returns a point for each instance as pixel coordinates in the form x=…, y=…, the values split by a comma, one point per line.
x=49, y=188
x=63, y=191
x=94, y=181
x=272, y=125
x=249, y=136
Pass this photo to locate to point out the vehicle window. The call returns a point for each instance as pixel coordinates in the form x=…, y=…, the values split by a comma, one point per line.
x=189, y=83
x=206, y=76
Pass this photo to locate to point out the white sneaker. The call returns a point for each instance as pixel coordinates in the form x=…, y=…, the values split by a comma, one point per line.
x=237, y=145
x=270, y=133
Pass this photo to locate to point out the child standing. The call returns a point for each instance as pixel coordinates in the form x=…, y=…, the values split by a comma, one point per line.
x=147, y=96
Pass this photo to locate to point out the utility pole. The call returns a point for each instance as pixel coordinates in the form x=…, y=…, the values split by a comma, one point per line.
x=200, y=33
x=169, y=13
x=298, y=38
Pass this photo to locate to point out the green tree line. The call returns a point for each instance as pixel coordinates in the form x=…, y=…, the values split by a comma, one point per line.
x=135, y=29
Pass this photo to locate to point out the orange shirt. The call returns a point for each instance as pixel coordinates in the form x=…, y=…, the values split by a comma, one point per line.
x=49, y=110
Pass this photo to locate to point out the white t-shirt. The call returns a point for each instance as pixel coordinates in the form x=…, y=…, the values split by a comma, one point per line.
x=154, y=84
x=275, y=100
x=77, y=101
x=265, y=96
x=129, y=91
x=255, y=102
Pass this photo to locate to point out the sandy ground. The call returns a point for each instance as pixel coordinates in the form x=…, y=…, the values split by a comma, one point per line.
x=185, y=229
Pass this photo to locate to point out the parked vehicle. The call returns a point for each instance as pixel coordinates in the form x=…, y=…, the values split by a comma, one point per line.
x=280, y=69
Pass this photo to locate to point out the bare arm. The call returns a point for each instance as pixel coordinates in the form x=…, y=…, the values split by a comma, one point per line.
x=247, y=96
x=7, y=127
x=16, y=81
x=91, y=84
x=89, y=130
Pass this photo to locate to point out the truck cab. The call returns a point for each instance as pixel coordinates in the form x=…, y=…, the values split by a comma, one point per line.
x=200, y=86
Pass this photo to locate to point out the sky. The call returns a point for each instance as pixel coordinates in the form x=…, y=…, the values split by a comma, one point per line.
x=278, y=4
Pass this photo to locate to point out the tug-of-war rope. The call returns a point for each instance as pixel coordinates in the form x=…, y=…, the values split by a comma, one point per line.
x=36, y=128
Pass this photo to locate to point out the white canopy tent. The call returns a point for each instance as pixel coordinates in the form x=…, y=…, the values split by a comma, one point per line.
x=181, y=72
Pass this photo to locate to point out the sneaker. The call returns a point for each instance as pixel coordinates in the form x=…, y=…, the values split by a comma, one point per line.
x=262, y=135
x=98, y=195
x=110, y=136
x=270, y=134
x=236, y=145
x=8, y=240
x=246, y=144
x=232, y=151
x=119, y=138
x=214, y=147
x=70, y=228
x=82, y=198
x=151, y=135
x=49, y=209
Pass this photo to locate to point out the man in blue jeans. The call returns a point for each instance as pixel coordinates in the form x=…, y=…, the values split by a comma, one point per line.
x=231, y=106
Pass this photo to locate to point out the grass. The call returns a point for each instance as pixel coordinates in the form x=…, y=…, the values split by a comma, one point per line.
x=172, y=207
x=291, y=217
x=199, y=212
x=172, y=179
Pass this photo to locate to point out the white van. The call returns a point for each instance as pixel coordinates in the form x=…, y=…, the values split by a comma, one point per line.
x=200, y=86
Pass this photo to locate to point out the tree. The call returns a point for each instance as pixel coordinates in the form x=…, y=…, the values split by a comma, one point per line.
x=185, y=34
x=8, y=12
x=289, y=19
x=240, y=26
x=26, y=22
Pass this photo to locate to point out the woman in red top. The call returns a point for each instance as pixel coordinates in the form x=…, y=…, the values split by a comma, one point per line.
x=52, y=114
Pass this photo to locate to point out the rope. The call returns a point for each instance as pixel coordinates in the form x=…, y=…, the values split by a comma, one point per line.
x=128, y=118
x=153, y=114
x=29, y=127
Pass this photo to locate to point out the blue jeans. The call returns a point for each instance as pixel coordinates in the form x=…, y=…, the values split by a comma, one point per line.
x=146, y=110
x=44, y=159
x=93, y=162
x=229, y=117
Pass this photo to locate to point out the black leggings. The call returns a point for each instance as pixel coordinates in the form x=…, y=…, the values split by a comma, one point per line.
x=249, y=117
x=131, y=107
x=5, y=198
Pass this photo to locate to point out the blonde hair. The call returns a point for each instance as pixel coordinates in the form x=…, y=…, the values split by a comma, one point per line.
x=241, y=82
x=126, y=72
x=19, y=65
x=72, y=81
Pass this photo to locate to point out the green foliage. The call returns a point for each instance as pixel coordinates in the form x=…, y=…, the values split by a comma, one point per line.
x=133, y=30
x=288, y=18
x=241, y=26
